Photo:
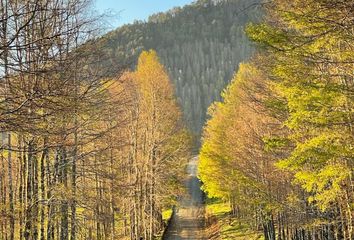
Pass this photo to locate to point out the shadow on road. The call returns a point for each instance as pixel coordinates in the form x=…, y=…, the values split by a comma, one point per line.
x=188, y=220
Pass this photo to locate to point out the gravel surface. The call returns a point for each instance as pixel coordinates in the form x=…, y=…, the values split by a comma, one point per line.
x=188, y=221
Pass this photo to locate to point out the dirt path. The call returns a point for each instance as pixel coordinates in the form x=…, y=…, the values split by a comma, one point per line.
x=188, y=221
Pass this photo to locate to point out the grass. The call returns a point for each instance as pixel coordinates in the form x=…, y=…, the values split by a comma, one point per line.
x=166, y=215
x=230, y=228
x=217, y=208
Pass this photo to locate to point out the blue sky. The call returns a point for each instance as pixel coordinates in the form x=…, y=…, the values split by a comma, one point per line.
x=127, y=11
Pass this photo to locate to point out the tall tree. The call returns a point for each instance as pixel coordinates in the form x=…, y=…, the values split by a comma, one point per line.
x=160, y=143
x=312, y=61
x=299, y=125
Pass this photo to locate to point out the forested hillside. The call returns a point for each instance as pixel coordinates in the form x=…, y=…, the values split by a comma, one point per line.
x=200, y=44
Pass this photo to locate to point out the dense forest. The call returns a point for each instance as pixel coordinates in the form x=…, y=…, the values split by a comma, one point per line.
x=279, y=146
x=200, y=44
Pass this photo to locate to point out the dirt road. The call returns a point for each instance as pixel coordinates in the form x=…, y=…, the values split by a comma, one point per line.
x=188, y=221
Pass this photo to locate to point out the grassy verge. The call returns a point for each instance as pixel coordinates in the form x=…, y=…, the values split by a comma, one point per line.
x=166, y=215
x=230, y=228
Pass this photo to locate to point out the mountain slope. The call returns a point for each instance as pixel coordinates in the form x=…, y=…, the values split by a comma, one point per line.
x=200, y=44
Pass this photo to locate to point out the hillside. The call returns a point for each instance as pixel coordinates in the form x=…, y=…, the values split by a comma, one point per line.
x=200, y=44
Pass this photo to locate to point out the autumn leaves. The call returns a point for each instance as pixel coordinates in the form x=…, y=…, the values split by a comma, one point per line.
x=158, y=147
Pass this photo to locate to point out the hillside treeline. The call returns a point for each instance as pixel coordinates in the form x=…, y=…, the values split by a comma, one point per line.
x=200, y=44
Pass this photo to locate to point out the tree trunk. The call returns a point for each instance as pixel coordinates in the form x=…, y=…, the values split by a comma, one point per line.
x=11, y=194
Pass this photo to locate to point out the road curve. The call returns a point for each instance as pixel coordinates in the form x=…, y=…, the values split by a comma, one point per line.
x=188, y=222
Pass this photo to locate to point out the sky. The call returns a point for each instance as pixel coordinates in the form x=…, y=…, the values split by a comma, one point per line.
x=126, y=11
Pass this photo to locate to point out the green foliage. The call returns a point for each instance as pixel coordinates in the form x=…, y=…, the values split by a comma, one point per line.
x=287, y=150
x=307, y=57
x=274, y=143
x=223, y=166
